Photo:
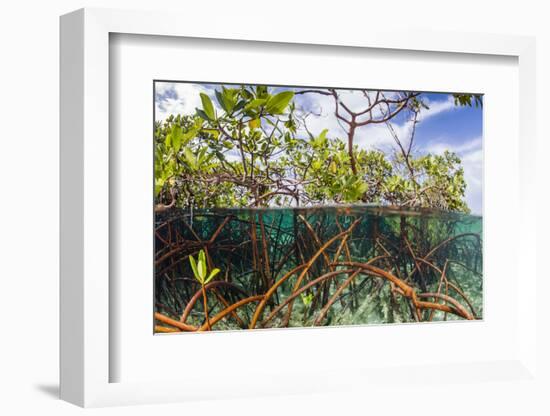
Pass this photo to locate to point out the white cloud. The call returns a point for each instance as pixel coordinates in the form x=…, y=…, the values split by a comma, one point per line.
x=437, y=107
x=439, y=146
x=473, y=173
x=179, y=98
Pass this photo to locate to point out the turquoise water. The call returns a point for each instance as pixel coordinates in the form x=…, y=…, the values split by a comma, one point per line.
x=436, y=254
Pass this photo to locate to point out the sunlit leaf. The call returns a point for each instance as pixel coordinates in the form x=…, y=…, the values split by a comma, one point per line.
x=202, y=264
x=213, y=273
x=254, y=123
x=252, y=105
x=195, y=269
x=213, y=132
x=207, y=106
x=202, y=114
x=177, y=137
x=226, y=100
x=278, y=103
x=186, y=137
x=190, y=158
x=261, y=91
x=159, y=183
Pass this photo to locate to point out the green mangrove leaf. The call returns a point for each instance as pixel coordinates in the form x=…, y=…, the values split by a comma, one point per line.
x=207, y=106
x=252, y=105
x=213, y=273
x=254, y=123
x=215, y=133
x=186, y=137
x=306, y=299
x=159, y=183
x=240, y=105
x=194, y=268
x=261, y=91
x=221, y=101
x=202, y=265
x=228, y=144
x=226, y=100
x=202, y=114
x=278, y=103
x=362, y=188
x=190, y=158
x=176, y=137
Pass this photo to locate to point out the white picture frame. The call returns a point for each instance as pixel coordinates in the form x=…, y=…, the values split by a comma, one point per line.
x=85, y=211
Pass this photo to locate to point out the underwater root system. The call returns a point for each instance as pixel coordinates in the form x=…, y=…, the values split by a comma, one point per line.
x=292, y=268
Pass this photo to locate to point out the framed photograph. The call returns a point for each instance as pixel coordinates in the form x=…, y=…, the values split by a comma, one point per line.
x=292, y=208
x=283, y=207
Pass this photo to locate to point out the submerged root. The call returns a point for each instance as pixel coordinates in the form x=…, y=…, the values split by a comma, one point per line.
x=329, y=273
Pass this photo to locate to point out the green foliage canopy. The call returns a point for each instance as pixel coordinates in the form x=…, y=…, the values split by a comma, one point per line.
x=247, y=152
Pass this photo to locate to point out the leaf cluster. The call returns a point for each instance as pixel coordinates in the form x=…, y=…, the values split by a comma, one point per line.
x=199, y=268
x=243, y=148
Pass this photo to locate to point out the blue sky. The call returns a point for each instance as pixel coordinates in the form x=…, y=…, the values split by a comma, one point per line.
x=443, y=126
